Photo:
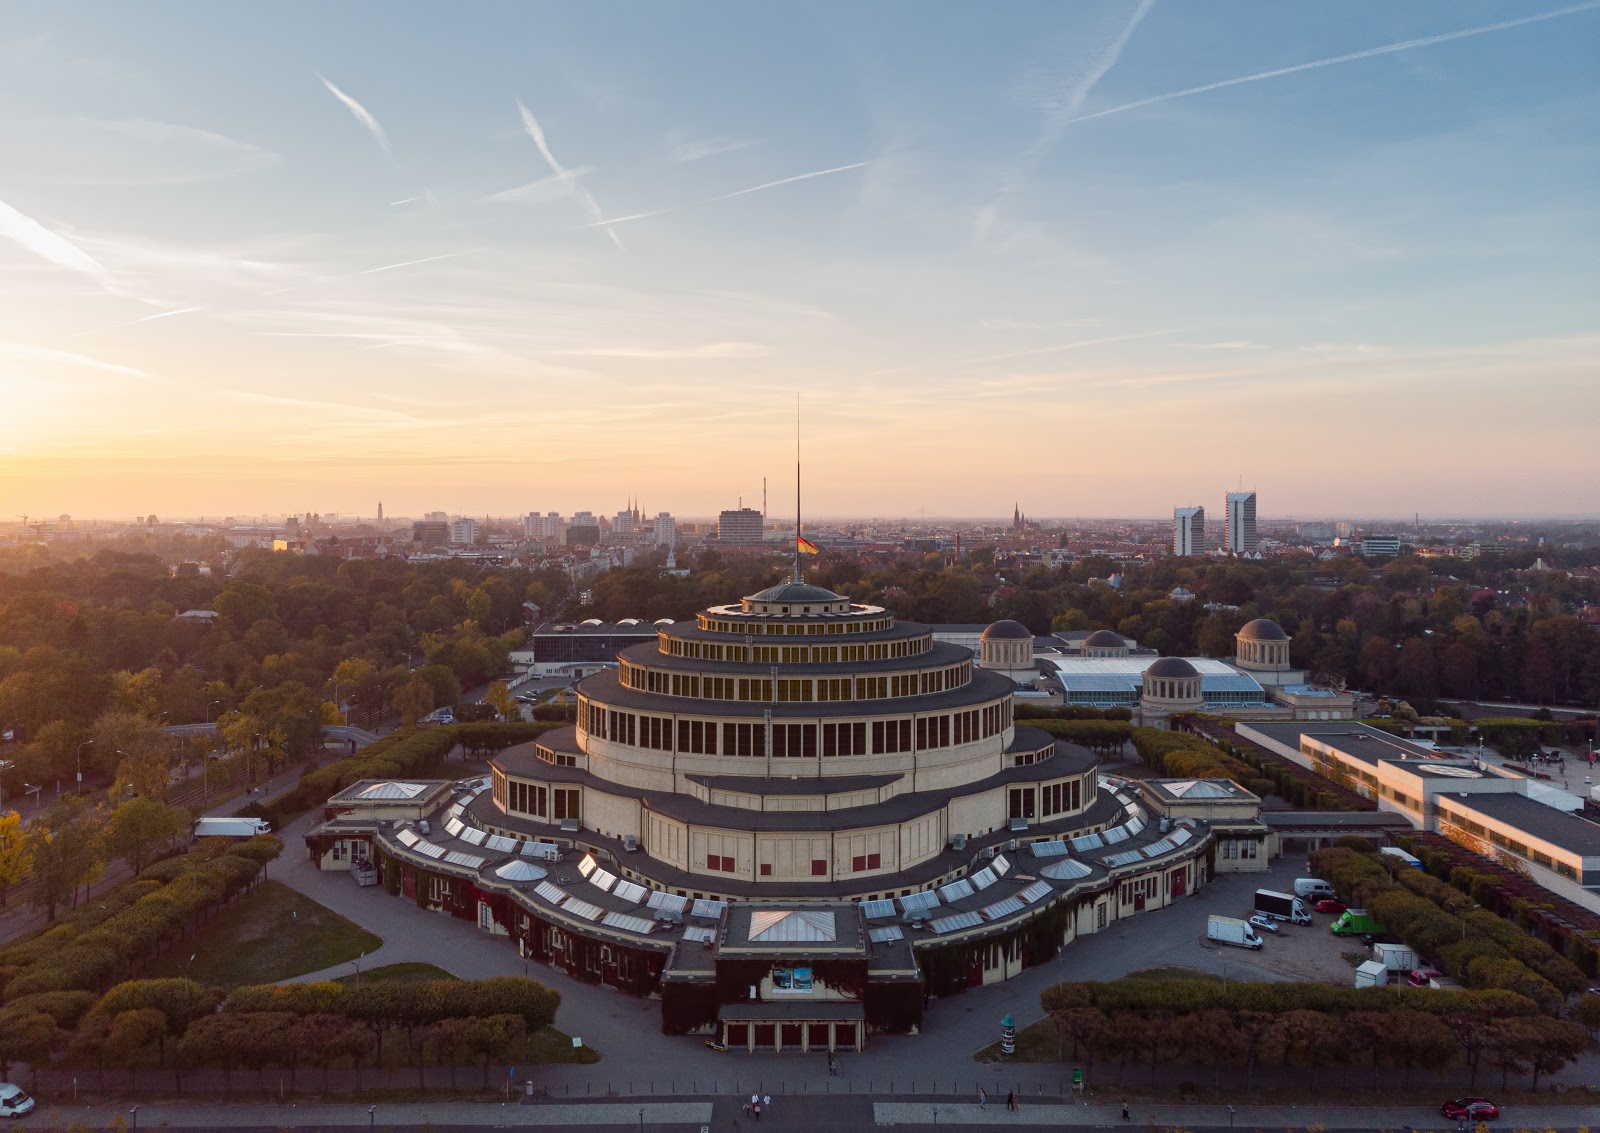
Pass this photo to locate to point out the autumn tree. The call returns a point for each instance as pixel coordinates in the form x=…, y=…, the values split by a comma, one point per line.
x=15, y=857
x=140, y=826
x=413, y=701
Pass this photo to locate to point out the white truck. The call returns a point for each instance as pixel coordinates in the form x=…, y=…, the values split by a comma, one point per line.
x=1282, y=906
x=1395, y=957
x=1372, y=973
x=1231, y=930
x=231, y=827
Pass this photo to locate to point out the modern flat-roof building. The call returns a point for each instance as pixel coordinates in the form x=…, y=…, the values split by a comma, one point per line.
x=430, y=532
x=1241, y=523
x=1188, y=531
x=794, y=818
x=1486, y=808
x=1380, y=546
x=464, y=531
x=581, y=648
x=741, y=527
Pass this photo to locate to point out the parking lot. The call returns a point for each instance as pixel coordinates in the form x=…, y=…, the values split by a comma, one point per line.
x=1294, y=952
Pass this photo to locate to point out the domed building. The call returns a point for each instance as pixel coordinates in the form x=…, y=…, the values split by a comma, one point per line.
x=1262, y=647
x=794, y=818
x=1170, y=685
x=1105, y=643
x=1007, y=647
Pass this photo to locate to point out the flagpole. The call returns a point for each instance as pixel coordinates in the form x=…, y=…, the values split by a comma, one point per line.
x=797, y=487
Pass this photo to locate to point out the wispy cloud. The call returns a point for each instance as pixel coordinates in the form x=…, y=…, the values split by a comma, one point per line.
x=146, y=319
x=413, y=263
x=625, y=219
x=701, y=148
x=792, y=180
x=39, y=240
x=551, y=188
x=1061, y=113
x=1334, y=60
x=203, y=154
x=52, y=356
x=570, y=179
x=362, y=115
x=709, y=350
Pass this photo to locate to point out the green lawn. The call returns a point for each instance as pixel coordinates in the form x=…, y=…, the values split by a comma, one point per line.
x=268, y=936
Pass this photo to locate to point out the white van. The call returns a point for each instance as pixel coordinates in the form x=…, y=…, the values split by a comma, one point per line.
x=1312, y=888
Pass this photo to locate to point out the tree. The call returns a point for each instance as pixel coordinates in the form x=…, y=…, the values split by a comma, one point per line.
x=499, y=698
x=15, y=857
x=1556, y=1042
x=493, y=1036
x=31, y=1039
x=140, y=825
x=413, y=701
x=65, y=847
x=130, y=1037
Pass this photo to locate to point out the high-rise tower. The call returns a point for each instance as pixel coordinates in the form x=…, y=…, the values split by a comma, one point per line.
x=1188, y=531
x=1241, y=523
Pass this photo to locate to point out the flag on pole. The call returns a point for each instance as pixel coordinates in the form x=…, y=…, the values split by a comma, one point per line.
x=805, y=546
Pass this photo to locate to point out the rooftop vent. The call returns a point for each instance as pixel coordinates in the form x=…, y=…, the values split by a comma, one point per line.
x=958, y=843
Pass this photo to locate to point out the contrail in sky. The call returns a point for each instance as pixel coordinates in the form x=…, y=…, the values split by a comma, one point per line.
x=1351, y=57
x=39, y=240
x=624, y=219
x=801, y=177
x=411, y=263
x=570, y=179
x=363, y=115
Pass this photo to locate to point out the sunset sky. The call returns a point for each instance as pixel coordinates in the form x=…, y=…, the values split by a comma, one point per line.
x=1098, y=258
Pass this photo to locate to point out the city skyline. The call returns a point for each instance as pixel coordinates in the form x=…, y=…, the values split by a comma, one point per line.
x=479, y=256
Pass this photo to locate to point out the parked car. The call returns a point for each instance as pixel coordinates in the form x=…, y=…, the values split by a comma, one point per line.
x=1330, y=905
x=1419, y=977
x=1264, y=922
x=1470, y=1109
x=13, y=1101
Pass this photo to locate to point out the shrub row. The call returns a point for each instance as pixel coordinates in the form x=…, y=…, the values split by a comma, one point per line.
x=1185, y=756
x=1437, y=921
x=1308, y=1025
x=82, y=953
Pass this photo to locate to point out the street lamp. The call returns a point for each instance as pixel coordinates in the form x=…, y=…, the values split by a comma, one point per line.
x=134, y=1112
x=81, y=746
x=30, y=789
x=372, y=1116
x=1230, y=1117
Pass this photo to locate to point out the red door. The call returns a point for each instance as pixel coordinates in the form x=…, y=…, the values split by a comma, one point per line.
x=1177, y=883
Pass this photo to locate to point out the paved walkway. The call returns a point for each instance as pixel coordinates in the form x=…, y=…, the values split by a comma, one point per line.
x=726, y=1113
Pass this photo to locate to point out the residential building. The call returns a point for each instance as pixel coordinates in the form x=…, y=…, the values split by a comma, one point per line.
x=741, y=527
x=463, y=532
x=536, y=526
x=666, y=530
x=1188, y=531
x=623, y=523
x=1241, y=523
x=430, y=532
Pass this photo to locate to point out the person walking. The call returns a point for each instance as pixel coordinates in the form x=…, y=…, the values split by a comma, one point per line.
x=983, y=1098
x=766, y=1101
x=757, y=1111
x=1011, y=1101
x=1125, y=1115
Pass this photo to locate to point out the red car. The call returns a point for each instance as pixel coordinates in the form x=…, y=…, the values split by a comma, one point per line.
x=1330, y=905
x=1421, y=976
x=1470, y=1109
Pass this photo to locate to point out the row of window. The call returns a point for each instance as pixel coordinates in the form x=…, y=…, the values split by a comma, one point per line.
x=721, y=863
x=1238, y=849
x=843, y=738
x=701, y=686
x=797, y=654
x=537, y=800
x=757, y=628
x=1045, y=801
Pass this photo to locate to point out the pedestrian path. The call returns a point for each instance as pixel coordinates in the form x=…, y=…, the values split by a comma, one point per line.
x=996, y=1116
x=653, y=1114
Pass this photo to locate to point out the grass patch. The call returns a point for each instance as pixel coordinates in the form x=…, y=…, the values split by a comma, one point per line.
x=553, y=1046
x=397, y=973
x=268, y=936
x=1169, y=974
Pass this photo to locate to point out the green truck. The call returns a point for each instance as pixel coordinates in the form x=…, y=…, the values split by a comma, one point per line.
x=1354, y=922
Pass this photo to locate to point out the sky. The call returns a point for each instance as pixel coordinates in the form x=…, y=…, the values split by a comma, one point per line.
x=1096, y=258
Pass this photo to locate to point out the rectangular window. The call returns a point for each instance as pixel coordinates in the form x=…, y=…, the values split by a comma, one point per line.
x=766, y=869
x=819, y=867
x=566, y=800
x=858, y=863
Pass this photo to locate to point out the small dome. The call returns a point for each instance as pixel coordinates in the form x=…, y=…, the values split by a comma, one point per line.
x=518, y=870
x=1172, y=668
x=1008, y=630
x=1104, y=639
x=795, y=592
x=1263, y=629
